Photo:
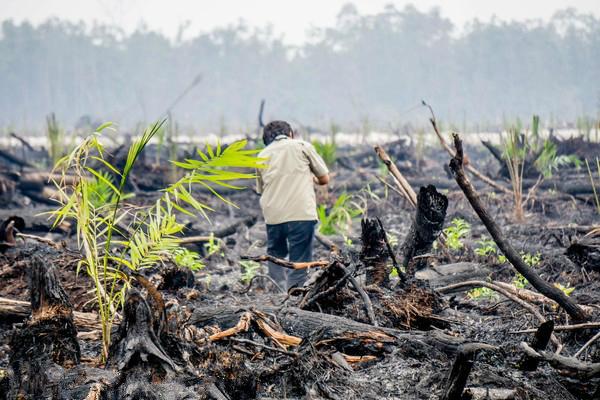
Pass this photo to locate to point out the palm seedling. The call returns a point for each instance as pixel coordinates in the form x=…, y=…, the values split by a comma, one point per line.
x=515, y=151
x=147, y=234
x=56, y=139
x=338, y=219
x=327, y=150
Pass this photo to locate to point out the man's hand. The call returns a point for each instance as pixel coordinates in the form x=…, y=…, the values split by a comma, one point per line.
x=321, y=180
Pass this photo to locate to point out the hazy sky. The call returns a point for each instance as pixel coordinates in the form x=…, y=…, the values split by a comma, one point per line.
x=291, y=18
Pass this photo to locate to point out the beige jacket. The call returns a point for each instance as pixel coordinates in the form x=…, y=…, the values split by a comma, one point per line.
x=286, y=184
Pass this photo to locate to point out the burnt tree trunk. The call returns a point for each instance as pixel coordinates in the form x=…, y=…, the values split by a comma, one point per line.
x=151, y=366
x=47, y=343
x=374, y=253
x=540, y=341
x=461, y=368
x=427, y=225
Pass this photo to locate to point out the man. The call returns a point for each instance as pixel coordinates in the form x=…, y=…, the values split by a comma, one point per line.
x=288, y=198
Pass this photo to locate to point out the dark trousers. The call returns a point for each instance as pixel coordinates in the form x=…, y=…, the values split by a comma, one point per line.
x=294, y=238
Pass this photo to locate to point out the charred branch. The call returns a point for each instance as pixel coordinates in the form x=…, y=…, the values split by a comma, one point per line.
x=456, y=165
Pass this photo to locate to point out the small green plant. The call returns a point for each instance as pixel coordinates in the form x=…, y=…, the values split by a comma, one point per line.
x=250, y=269
x=327, y=150
x=515, y=150
x=486, y=247
x=549, y=162
x=185, y=258
x=531, y=259
x=392, y=239
x=567, y=290
x=520, y=282
x=150, y=237
x=56, y=139
x=456, y=232
x=481, y=293
x=213, y=245
x=338, y=219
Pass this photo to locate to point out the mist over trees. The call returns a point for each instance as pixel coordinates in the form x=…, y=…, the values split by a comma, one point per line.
x=366, y=67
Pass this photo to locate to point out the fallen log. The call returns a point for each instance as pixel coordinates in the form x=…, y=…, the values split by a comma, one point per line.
x=340, y=331
x=16, y=309
x=36, y=219
x=14, y=160
x=456, y=166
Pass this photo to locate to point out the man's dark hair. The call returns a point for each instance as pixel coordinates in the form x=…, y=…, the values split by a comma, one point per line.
x=274, y=129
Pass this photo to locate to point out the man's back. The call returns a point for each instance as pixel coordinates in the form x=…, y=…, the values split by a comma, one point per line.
x=287, y=181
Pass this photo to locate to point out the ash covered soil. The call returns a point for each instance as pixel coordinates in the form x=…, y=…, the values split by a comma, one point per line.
x=412, y=359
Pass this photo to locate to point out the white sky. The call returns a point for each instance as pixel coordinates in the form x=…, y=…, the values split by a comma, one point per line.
x=290, y=18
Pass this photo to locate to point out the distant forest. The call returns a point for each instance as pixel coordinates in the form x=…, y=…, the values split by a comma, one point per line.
x=373, y=68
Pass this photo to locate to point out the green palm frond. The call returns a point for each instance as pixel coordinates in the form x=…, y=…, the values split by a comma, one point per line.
x=210, y=170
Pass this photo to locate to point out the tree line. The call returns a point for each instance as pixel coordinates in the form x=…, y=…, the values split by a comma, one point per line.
x=365, y=69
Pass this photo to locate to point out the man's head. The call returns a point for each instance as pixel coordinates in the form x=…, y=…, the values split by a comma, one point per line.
x=274, y=129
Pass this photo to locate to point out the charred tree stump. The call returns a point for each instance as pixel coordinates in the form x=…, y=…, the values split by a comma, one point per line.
x=135, y=341
x=153, y=366
x=456, y=165
x=540, y=341
x=461, y=368
x=427, y=225
x=47, y=343
x=374, y=253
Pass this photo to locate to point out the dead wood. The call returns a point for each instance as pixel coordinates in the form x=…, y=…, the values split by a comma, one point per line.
x=467, y=164
x=426, y=226
x=21, y=140
x=365, y=297
x=574, y=327
x=148, y=363
x=285, y=263
x=340, y=332
x=325, y=241
x=540, y=341
x=566, y=365
x=399, y=179
x=47, y=343
x=532, y=309
x=447, y=274
x=16, y=309
x=585, y=252
x=456, y=165
x=36, y=219
x=375, y=252
x=461, y=368
x=14, y=160
x=480, y=393
x=586, y=345
x=135, y=339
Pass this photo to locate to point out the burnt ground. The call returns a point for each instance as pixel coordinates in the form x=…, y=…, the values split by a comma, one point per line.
x=406, y=369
